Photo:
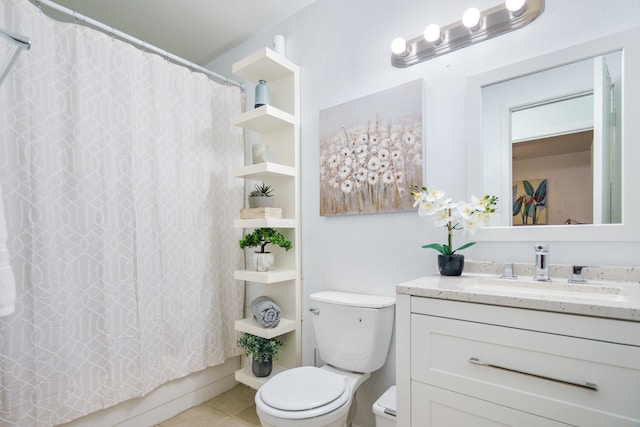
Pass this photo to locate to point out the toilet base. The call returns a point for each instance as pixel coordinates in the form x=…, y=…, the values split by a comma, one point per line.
x=327, y=420
x=338, y=423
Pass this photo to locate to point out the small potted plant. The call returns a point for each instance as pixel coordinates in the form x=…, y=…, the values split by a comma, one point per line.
x=263, y=352
x=259, y=238
x=261, y=196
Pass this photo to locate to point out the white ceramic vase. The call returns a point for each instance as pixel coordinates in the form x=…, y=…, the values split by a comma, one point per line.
x=263, y=261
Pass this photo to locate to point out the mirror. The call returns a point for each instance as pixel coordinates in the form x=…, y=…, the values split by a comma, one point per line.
x=560, y=138
x=557, y=124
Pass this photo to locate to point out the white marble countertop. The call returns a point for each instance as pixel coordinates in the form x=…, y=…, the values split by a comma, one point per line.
x=613, y=300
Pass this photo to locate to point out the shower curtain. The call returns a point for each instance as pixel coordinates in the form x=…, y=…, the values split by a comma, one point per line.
x=115, y=171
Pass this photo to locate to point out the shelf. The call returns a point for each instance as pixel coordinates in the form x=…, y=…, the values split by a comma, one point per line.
x=250, y=326
x=265, y=222
x=271, y=276
x=264, y=119
x=245, y=376
x=278, y=125
x=264, y=64
x=263, y=170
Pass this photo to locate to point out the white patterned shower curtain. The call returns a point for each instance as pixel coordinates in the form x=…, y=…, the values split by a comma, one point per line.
x=115, y=168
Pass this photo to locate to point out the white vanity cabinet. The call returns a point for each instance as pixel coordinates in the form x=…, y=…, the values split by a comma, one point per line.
x=469, y=364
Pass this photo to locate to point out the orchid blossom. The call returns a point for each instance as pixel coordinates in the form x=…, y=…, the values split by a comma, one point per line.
x=455, y=216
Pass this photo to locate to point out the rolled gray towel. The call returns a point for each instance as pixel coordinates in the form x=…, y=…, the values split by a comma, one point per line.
x=266, y=312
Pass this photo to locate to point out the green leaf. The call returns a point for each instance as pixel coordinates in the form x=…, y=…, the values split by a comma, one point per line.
x=541, y=193
x=531, y=210
x=260, y=349
x=517, y=205
x=260, y=237
x=438, y=247
x=528, y=188
x=463, y=247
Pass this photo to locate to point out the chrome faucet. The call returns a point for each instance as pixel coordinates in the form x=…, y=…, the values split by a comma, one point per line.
x=576, y=276
x=542, y=263
x=509, y=272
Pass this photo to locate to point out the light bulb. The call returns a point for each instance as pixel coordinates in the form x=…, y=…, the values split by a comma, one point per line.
x=471, y=18
x=432, y=33
x=516, y=7
x=399, y=46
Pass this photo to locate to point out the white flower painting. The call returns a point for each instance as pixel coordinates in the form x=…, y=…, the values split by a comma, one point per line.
x=371, y=152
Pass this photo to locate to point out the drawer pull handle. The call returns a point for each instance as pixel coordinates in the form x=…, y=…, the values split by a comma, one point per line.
x=587, y=385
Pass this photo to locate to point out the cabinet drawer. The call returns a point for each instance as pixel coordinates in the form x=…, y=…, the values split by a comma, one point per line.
x=436, y=407
x=573, y=380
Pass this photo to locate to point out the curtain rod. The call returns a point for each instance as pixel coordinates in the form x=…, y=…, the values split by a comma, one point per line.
x=137, y=42
x=21, y=41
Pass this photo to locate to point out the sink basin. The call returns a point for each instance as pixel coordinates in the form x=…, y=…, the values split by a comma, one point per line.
x=553, y=289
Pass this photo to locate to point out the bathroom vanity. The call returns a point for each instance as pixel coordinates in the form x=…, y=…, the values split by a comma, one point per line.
x=478, y=350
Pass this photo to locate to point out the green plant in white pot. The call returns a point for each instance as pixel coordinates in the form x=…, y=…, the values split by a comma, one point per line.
x=260, y=238
x=261, y=196
x=263, y=352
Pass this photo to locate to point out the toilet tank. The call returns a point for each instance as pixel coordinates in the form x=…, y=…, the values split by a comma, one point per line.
x=353, y=331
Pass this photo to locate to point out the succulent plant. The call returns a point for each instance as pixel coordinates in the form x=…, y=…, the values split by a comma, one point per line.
x=261, y=190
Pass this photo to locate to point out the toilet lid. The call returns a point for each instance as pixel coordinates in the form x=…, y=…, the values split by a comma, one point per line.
x=303, y=388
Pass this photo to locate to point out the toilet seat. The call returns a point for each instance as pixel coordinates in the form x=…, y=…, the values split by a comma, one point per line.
x=303, y=392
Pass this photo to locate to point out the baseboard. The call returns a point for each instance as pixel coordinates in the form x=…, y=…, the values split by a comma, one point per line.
x=166, y=401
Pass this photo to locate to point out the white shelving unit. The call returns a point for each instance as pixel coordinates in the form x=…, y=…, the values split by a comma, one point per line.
x=278, y=126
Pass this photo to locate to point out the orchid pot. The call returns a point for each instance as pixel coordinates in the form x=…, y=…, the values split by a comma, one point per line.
x=451, y=265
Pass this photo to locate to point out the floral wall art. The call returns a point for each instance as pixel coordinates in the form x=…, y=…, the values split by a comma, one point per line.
x=530, y=202
x=371, y=151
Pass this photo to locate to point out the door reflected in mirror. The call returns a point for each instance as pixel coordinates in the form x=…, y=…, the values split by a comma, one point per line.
x=552, y=144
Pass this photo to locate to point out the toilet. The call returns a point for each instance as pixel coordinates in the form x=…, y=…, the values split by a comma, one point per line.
x=353, y=332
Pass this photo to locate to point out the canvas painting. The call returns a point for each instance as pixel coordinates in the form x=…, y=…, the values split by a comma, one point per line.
x=371, y=152
x=530, y=202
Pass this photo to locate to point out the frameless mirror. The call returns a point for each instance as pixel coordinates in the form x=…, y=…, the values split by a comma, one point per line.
x=550, y=137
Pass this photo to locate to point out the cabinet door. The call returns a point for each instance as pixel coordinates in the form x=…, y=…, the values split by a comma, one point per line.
x=574, y=380
x=436, y=407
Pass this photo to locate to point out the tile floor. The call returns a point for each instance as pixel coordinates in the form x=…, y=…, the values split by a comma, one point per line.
x=235, y=408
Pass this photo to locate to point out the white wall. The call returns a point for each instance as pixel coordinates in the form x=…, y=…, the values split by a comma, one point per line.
x=343, y=50
x=569, y=184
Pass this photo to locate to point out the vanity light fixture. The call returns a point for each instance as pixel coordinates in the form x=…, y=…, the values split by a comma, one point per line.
x=474, y=27
x=432, y=34
x=516, y=7
x=471, y=19
x=399, y=46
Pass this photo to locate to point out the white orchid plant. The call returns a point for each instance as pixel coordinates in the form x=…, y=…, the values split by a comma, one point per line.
x=453, y=215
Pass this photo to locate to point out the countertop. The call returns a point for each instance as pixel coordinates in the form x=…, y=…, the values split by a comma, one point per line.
x=613, y=300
